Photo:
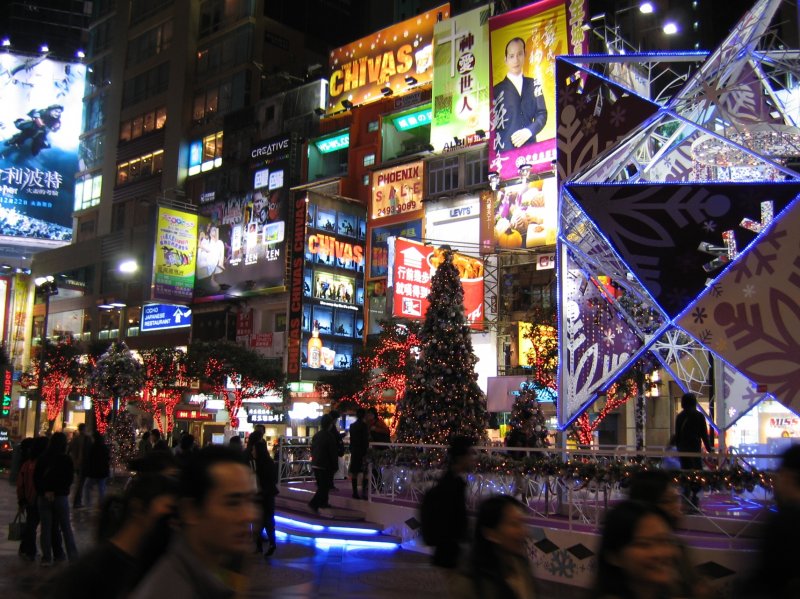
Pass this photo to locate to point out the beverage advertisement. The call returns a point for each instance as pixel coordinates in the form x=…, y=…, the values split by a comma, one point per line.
x=386, y=58
x=461, y=80
x=521, y=216
x=40, y=125
x=523, y=45
x=174, y=264
x=415, y=264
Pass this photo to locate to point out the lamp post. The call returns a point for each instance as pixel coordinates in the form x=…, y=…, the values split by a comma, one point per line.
x=48, y=288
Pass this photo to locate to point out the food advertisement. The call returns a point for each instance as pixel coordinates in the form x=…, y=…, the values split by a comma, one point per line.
x=414, y=266
x=522, y=216
x=361, y=69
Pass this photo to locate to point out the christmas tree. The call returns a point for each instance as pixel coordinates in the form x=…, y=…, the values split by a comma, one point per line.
x=527, y=419
x=443, y=398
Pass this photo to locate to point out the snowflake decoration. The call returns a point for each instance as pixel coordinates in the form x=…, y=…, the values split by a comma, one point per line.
x=562, y=564
x=715, y=290
x=710, y=226
x=706, y=336
x=619, y=328
x=749, y=291
x=589, y=125
x=617, y=116
x=699, y=315
x=609, y=336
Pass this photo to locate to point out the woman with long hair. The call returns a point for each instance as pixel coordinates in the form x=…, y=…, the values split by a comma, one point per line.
x=499, y=566
x=638, y=554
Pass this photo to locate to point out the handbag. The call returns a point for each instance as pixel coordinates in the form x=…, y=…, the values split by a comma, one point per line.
x=16, y=527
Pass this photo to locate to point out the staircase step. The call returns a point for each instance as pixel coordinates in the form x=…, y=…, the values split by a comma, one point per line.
x=299, y=505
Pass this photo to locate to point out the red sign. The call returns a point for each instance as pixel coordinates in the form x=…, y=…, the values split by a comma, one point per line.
x=296, y=263
x=193, y=415
x=414, y=266
x=261, y=340
x=244, y=323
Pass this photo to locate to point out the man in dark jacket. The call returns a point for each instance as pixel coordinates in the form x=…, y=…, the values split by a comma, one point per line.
x=451, y=509
x=690, y=432
x=359, y=445
x=79, y=447
x=324, y=461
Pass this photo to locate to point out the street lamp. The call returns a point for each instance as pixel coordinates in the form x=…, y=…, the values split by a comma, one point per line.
x=48, y=288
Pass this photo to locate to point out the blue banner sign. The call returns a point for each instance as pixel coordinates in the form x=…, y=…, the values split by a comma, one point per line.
x=159, y=317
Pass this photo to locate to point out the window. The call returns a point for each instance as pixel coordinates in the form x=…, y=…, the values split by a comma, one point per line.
x=142, y=124
x=369, y=159
x=140, y=168
x=90, y=150
x=146, y=84
x=100, y=37
x=87, y=192
x=476, y=167
x=144, y=9
x=94, y=112
x=226, y=97
x=151, y=43
x=366, y=180
x=212, y=146
x=230, y=50
x=442, y=175
x=373, y=126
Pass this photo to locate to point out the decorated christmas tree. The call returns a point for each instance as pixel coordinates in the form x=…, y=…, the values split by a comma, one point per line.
x=527, y=419
x=117, y=377
x=443, y=398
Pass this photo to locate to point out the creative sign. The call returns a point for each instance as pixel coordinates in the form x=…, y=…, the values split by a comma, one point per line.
x=175, y=251
x=241, y=248
x=161, y=317
x=414, y=266
x=397, y=190
x=379, y=244
x=524, y=44
x=461, y=80
x=520, y=216
x=40, y=125
x=361, y=69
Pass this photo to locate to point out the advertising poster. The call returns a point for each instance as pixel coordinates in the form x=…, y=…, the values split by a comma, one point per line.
x=362, y=68
x=415, y=264
x=40, y=124
x=176, y=245
x=241, y=247
x=379, y=244
x=461, y=80
x=397, y=191
x=524, y=44
x=521, y=216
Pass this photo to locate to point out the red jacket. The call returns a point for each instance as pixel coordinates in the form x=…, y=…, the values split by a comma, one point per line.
x=26, y=490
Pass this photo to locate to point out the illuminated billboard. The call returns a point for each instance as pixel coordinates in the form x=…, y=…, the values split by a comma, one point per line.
x=397, y=190
x=361, y=69
x=414, y=266
x=461, y=80
x=174, y=264
x=518, y=216
x=524, y=44
x=40, y=124
x=241, y=246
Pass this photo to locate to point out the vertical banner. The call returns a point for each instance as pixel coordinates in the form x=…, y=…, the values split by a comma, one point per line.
x=175, y=253
x=524, y=44
x=461, y=80
x=296, y=263
x=386, y=58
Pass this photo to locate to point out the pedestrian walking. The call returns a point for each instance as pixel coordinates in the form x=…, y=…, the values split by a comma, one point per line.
x=79, y=447
x=266, y=472
x=359, y=446
x=324, y=461
x=27, y=496
x=53, y=476
x=691, y=432
x=98, y=469
x=339, y=438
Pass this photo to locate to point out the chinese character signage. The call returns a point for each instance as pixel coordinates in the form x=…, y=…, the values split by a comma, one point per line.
x=379, y=244
x=174, y=264
x=519, y=216
x=397, y=190
x=461, y=80
x=524, y=44
x=386, y=58
x=414, y=266
x=241, y=248
x=40, y=125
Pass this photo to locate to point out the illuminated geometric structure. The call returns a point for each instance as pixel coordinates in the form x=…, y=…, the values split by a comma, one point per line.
x=683, y=204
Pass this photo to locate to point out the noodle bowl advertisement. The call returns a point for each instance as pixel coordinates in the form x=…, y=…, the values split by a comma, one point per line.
x=414, y=266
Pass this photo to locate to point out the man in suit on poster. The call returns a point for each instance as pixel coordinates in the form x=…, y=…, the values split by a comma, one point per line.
x=519, y=109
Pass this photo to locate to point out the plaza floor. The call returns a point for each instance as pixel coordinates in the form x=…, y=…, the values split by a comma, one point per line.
x=298, y=570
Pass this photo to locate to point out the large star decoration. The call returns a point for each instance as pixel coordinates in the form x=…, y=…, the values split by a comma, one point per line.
x=713, y=259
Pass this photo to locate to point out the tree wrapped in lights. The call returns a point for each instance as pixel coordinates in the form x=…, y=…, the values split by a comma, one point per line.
x=233, y=372
x=117, y=377
x=62, y=374
x=542, y=357
x=442, y=397
x=383, y=371
x=534, y=429
x=165, y=384
x=617, y=395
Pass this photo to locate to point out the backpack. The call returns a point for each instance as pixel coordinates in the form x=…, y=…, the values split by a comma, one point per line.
x=429, y=515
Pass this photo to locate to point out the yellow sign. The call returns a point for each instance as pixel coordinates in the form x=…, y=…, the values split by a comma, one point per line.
x=397, y=190
x=175, y=253
x=361, y=69
x=534, y=343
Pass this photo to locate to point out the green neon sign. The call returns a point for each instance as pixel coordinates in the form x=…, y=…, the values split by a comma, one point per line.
x=412, y=120
x=331, y=144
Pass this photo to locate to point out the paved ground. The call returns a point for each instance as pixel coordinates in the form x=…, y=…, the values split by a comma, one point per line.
x=297, y=570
